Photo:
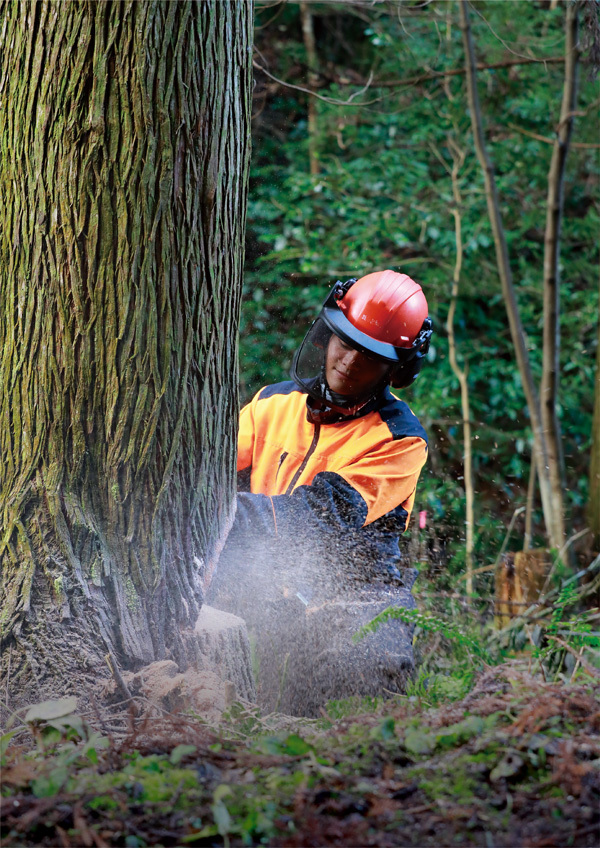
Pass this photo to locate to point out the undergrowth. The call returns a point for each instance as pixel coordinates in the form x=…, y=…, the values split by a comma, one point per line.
x=496, y=738
x=455, y=641
x=516, y=761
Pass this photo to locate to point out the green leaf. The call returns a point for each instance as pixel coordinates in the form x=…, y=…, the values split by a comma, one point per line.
x=50, y=784
x=386, y=730
x=509, y=765
x=419, y=741
x=220, y=811
x=296, y=745
x=48, y=710
x=209, y=830
x=5, y=741
x=94, y=744
x=64, y=724
x=293, y=745
x=472, y=726
x=222, y=791
x=181, y=751
x=222, y=818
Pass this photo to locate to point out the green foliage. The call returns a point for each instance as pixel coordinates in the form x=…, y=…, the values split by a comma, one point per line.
x=448, y=673
x=572, y=628
x=365, y=771
x=454, y=643
x=427, y=622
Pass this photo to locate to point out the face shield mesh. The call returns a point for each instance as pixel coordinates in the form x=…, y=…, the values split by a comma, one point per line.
x=308, y=368
x=308, y=371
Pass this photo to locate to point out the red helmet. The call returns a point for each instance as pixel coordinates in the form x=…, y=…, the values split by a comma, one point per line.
x=384, y=313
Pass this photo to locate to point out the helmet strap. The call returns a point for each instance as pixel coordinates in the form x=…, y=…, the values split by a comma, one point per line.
x=328, y=407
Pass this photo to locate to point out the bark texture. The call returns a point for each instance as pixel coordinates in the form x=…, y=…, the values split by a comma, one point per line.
x=124, y=139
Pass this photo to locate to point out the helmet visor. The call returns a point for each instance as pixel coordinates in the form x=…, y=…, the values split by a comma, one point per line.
x=308, y=367
x=309, y=371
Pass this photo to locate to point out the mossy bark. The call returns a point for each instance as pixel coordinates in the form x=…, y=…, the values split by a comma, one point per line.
x=124, y=139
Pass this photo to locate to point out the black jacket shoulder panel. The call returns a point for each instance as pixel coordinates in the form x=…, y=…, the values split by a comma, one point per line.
x=400, y=419
x=284, y=388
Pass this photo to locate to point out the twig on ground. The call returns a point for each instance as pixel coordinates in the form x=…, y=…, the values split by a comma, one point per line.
x=594, y=672
x=116, y=673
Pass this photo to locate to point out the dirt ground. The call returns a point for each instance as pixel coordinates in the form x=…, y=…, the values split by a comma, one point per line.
x=515, y=763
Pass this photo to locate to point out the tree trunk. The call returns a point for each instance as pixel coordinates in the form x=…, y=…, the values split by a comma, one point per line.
x=553, y=523
x=308, y=34
x=124, y=139
x=551, y=367
x=593, y=505
x=461, y=374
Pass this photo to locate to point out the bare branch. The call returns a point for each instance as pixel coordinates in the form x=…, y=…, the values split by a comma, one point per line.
x=480, y=66
x=594, y=672
x=332, y=100
x=546, y=140
x=505, y=273
x=432, y=75
x=554, y=212
x=496, y=36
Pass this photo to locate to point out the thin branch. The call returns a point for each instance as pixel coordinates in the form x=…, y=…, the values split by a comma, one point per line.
x=581, y=144
x=549, y=387
x=496, y=36
x=505, y=273
x=271, y=19
x=331, y=100
x=515, y=515
x=457, y=72
x=458, y=158
x=529, y=508
x=594, y=672
x=565, y=548
x=433, y=75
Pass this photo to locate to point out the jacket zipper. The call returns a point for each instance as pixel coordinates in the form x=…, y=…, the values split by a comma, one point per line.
x=280, y=463
x=309, y=453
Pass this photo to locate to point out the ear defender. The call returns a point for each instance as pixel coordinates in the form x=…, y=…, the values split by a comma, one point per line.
x=405, y=374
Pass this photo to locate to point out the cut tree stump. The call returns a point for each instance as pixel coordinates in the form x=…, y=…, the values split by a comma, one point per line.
x=208, y=687
x=223, y=639
x=520, y=578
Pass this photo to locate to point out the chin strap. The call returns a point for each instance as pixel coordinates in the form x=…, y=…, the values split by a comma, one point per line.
x=329, y=407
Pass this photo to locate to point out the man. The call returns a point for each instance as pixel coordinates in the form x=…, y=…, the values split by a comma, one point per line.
x=327, y=471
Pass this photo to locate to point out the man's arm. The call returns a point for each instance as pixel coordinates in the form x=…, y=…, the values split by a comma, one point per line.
x=246, y=437
x=376, y=484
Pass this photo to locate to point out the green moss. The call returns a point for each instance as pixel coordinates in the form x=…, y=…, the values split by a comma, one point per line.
x=456, y=785
x=147, y=779
x=132, y=597
x=96, y=571
x=103, y=802
x=59, y=590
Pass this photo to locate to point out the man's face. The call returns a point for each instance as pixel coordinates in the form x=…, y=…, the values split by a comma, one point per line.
x=351, y=373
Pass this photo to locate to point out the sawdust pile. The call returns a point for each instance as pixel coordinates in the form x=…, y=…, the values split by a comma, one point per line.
x=206, y=690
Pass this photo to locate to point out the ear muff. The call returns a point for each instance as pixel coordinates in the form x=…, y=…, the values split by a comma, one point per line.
x=406, y=373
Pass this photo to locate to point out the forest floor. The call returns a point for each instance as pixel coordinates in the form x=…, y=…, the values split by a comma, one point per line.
x=514, y=763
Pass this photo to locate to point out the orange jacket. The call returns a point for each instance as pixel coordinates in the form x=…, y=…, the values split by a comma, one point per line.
x=353, y=473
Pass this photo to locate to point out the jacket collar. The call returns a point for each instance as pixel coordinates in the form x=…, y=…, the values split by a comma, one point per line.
x=318, y=412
